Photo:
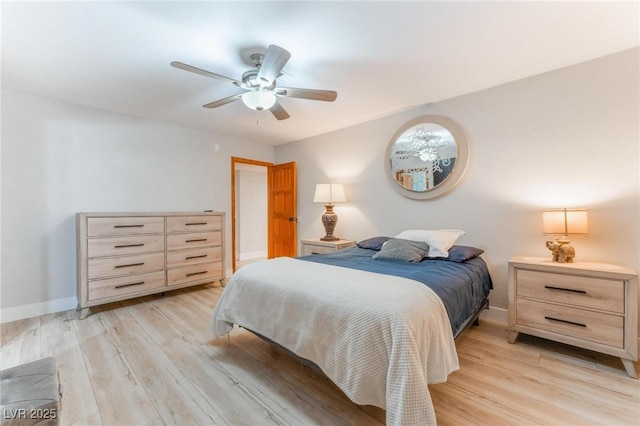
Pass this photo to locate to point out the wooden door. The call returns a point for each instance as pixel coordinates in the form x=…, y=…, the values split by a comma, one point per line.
x=281, y=180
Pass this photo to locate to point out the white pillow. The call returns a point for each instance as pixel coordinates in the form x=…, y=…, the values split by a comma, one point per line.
x=439, y=241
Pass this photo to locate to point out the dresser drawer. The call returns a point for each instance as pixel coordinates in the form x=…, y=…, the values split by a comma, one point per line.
x=191, y=256
x=595, y=327
x=103, y=226
x=134, y=244
x=195, y=239
x=125, y=265
x=193, y=223
x=111, y=287
x=201, y=271
x=588, y=292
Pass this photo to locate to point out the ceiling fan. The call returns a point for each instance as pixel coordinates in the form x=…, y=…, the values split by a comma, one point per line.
x=260, y=84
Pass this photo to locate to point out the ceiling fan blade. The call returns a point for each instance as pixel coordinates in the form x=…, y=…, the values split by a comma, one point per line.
x=205, y=73
x=273, y=62
x=316, y=95
x=279, y=112
x=224, y=101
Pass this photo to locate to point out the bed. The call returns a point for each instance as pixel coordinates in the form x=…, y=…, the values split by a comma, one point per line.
x=380, y=327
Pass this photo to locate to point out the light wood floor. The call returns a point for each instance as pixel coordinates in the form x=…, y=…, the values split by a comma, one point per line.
x=153, y=361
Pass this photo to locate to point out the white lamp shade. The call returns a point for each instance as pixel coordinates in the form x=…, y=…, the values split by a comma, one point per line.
x=259, y=99
x=329, y=193
x=565, y=221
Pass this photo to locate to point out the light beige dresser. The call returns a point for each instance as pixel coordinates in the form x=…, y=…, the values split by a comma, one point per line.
x=126, y=255
x=317, y=246
x=589, y=305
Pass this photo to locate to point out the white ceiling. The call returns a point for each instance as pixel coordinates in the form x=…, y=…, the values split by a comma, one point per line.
x=381, y=57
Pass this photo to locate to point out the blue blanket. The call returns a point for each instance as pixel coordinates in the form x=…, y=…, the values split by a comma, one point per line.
x=463, y=287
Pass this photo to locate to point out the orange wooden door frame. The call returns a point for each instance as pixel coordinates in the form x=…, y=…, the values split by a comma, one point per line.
x=271, y=224
x=234, y=161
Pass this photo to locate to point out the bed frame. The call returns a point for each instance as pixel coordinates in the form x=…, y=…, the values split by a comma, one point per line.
x=473, y=319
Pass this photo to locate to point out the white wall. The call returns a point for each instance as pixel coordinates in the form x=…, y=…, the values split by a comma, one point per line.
x=568, y=138
x=565, y=138
x=58, y=159
x=251, y=212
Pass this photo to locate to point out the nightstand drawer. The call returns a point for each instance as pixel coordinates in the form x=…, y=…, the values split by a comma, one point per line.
x=579, y=291
x=588, y=325
x=318, y=246
x=311, y=249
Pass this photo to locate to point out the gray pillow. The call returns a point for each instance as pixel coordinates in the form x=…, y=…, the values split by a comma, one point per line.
x=463, y=253
x=374, y=243
x=399, y=249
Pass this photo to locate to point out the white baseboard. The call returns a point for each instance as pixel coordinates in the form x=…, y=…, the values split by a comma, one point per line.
x=36, y=309
x=252, y=255
x=496, y=315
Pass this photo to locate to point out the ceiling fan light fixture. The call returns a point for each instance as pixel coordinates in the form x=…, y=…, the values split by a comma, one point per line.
x=260, y=84
x=259, y=99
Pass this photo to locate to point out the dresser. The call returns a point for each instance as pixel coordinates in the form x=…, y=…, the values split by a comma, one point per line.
x=317, y=246
x=588, y=305
x=126, y=255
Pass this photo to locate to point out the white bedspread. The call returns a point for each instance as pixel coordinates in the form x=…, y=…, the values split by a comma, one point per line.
x=381, y=339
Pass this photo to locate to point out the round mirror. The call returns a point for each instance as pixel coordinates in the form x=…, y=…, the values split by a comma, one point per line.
x=427, y=157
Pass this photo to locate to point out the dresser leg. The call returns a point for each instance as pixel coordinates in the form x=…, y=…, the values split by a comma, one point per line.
x=513, y=335
x=631, y=369
x=83, y=313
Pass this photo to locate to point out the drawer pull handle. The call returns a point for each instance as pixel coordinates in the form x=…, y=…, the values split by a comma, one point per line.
x=128, y=245
x=128, y=226
x=195, y=257
x=195, y=241
x=550, y=287
x=195, y=223
x=130, y=285
x=196, y=273
x=130, y=264
x=565, y=321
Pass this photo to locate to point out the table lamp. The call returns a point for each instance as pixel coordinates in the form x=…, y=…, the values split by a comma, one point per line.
x=562, y=223
x=329, y=193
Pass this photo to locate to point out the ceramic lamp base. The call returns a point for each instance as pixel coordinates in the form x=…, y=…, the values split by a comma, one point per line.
x=329, y=220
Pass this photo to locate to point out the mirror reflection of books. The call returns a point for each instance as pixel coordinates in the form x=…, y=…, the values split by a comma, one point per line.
x=415, y=181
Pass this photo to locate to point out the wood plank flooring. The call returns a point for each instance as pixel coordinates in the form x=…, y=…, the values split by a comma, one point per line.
x=152, y=361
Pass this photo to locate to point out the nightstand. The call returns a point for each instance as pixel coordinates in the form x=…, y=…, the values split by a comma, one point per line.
x=589, y=305
x=317, y=246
